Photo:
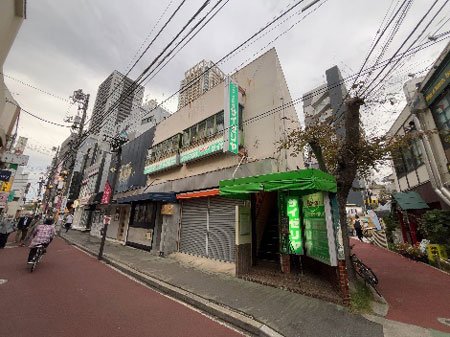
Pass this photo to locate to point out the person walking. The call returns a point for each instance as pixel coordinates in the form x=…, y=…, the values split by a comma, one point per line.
x=22, y=229
x=6, y=228
x=68, y=222
x=358, y=228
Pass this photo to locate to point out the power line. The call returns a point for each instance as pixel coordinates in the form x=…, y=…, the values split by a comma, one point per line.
x=35, y=88
x=130, y=90
x=411, y=45
x=191, y=83
x=378, y=40
x=37, y=117
x=403, y=43
x=141, y=55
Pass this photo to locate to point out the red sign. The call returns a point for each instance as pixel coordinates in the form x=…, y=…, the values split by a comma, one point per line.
x=107, y=192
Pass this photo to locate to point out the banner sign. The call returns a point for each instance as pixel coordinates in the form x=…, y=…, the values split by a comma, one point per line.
x=20, y=145
x=208, y=148
x=320, y=241
x=5, y=186
x=162, y=164
x=19, y=159
x=5, y=175
x=107, y=193
x=295, y=235
x=3, y=199
x=231, y=117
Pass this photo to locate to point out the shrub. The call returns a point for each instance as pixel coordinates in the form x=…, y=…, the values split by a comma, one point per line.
x=435, y=226
x=391, y=224
x=410, y=251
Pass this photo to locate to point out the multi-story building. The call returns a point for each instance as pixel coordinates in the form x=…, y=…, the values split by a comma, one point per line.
x=325, y=104
x=12, y=14
x=422, y=166
x=116, y=98
x=198, y=80
x=142, y=118
x=206, y=141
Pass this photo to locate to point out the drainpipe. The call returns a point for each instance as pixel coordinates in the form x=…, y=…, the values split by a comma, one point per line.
x=430, y=164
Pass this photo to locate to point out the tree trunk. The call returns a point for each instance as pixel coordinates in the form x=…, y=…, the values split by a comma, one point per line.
x=346, y=170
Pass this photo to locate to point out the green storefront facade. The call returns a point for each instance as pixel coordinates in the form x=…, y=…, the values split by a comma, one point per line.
x=306, y=217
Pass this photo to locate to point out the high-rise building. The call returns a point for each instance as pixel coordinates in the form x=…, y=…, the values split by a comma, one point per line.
x=198, y=80
x=114, y=103
x=142, y=118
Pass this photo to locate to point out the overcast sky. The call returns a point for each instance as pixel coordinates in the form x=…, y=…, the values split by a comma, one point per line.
x=66, y=45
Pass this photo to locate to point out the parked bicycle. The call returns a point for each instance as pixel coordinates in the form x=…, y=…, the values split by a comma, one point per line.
x=37, y=257
x=365, y=273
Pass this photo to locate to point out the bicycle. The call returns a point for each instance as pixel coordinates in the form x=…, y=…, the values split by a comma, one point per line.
x=365, y=273
x=37, y=257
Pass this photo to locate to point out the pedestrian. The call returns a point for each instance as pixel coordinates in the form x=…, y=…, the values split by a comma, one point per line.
x=6, y=228
x=22, y=229
x=68, y=222
x=358, y=228
x=42, y=236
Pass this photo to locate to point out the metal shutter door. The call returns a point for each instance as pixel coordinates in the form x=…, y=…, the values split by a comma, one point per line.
x=193, y=226
x=221, y=235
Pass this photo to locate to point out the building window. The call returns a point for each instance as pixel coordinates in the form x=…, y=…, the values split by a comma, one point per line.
x=408, y=159
x=441, y=114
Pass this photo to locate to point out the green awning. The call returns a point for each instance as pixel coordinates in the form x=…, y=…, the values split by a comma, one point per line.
x=306, y=181
x=409, y=200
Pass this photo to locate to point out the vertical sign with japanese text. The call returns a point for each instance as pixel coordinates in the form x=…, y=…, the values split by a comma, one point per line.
x=295, y=235
x=231, y=117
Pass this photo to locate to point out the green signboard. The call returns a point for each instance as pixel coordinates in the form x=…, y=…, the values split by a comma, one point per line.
x=231, y=112
x=208, y=148
x=295, y=235
x=441, y=81
x=316, y=232
x=161, y=165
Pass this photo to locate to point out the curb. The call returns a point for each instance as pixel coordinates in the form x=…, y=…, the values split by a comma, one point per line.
x=226, y=314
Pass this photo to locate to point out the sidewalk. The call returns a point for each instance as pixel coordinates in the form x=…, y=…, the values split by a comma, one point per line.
x=234, y=300
x=416, y=293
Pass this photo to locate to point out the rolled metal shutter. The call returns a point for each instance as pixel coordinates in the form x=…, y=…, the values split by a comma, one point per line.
x=221, y=234
x=193, y=226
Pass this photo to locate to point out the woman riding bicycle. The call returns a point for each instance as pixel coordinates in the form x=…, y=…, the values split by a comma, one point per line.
x=42, y=236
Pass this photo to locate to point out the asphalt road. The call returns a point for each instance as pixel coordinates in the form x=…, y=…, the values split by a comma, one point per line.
x=72, y=294
x=417, y=293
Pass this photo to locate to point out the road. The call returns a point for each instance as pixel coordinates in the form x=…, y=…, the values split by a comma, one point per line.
x=72, y=294
x=417, y=293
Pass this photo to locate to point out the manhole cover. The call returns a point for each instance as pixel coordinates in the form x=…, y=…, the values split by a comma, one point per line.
x=3, y=281
x=445, y=321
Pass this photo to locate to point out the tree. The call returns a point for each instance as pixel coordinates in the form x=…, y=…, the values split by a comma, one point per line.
x=343, y=149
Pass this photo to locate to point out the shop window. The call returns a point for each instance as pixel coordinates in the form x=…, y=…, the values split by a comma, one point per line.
x=211, y=126
x=219, y=122
x=186, y=138
x=143, y=216
x=194, y=134
x=441, y=113
x=201, y=130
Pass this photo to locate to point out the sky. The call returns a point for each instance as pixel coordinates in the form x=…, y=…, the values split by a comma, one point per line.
x=67, y=45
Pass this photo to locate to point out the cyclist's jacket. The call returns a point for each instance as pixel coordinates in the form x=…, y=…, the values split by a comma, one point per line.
x=42, y=234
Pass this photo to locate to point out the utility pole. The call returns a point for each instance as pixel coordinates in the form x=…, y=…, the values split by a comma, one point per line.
x=116, y=147
x=82, y=99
